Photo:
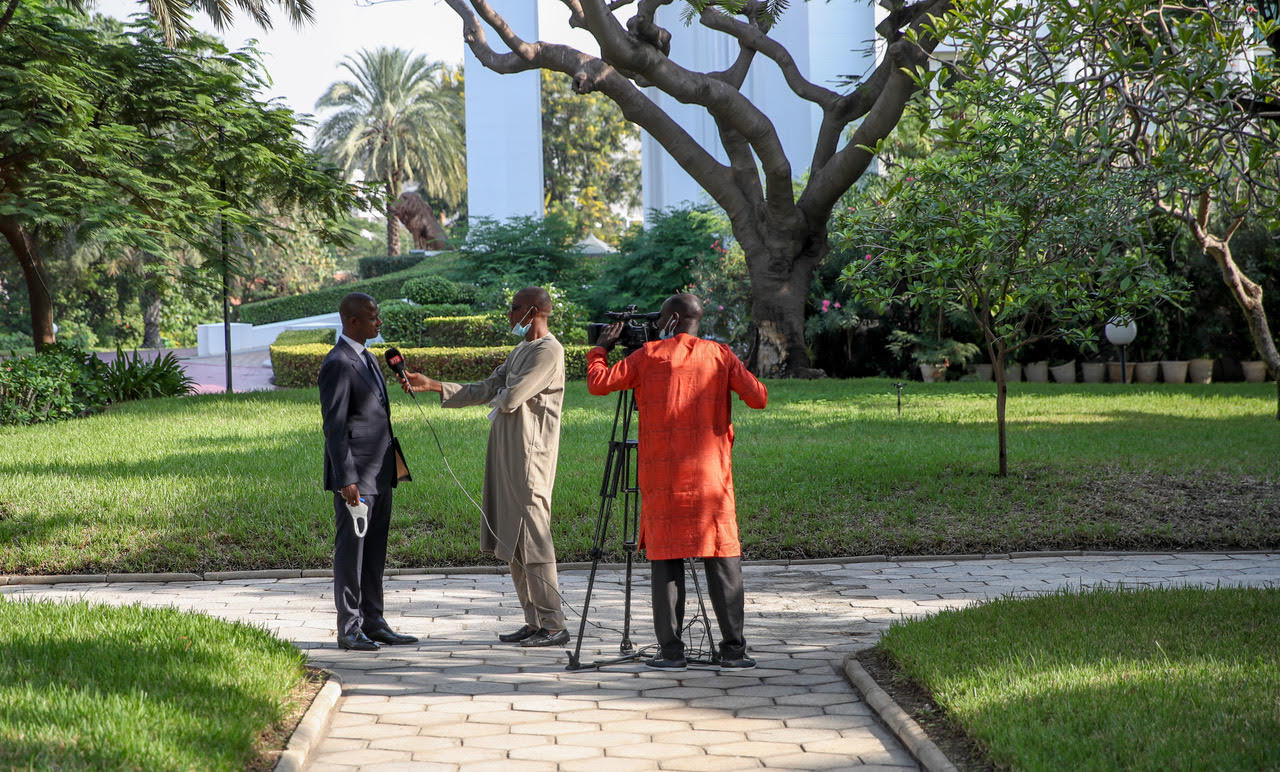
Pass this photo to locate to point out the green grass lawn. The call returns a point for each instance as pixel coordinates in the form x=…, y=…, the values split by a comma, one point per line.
x=1151, y=679
x=233, y=482
x=99, y=688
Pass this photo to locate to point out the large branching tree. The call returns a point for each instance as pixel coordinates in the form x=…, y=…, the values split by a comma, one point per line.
x=1189, y=91
x=128, y=142
x=784, y=235
x=398, y=119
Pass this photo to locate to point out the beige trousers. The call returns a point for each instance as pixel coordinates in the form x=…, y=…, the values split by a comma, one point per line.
x=537, y=587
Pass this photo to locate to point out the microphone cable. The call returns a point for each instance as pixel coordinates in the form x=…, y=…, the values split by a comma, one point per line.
x=488, y=527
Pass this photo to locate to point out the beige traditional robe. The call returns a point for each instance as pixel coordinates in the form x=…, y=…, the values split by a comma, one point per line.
x=527, y=392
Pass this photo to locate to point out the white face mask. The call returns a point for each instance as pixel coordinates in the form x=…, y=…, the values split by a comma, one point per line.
x=522, y=329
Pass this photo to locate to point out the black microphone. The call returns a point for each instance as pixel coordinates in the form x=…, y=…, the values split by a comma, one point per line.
x=395, y=360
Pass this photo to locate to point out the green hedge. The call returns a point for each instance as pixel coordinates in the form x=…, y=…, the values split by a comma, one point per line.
x=298, y=367
x=381, y=265
x=431, y=289
x=302, y=337
x=421, y=327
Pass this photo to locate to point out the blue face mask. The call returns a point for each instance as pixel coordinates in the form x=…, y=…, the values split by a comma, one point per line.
x=668, y=331
x=522, y=329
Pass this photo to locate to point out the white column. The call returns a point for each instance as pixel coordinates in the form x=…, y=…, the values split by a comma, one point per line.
x=826, y=40
x=504, y=127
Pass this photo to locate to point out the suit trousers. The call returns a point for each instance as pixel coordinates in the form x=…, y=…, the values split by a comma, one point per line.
x=358, y=564
x=724, y=585
x=537, y=587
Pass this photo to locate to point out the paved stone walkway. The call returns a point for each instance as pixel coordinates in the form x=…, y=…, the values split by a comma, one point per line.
x=462, y=701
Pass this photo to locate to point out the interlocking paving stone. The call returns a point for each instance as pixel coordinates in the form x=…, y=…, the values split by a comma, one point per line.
x=461, y=700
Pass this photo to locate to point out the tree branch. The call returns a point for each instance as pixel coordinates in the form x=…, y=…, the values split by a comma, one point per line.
x=752, y=37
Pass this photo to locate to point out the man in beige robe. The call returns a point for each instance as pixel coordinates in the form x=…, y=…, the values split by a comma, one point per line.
x=526, y=393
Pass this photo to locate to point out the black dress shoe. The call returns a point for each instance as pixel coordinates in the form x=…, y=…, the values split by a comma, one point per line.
x=544, y=637
x=390, y=637
x=357, y=641
x=518, y=635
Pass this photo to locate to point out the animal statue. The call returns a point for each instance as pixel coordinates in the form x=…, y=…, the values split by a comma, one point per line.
x=420, y=221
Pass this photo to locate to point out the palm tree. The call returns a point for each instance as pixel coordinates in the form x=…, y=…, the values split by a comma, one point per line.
x=173, y=17
x=398, y=119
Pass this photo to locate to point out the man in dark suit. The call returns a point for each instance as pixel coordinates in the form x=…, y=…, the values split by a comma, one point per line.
x=360, y=463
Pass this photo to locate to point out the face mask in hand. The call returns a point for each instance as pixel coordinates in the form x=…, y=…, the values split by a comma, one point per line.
x=522, y=329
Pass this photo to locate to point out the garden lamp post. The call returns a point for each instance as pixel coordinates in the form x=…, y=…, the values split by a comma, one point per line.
x=1121, y=332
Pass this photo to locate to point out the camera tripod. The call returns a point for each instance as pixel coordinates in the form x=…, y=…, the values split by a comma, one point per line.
x=620, y=477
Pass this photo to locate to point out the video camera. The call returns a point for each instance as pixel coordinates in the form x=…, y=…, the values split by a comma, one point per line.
x=637, y=329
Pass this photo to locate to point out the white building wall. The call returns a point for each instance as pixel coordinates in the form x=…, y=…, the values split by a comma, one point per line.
x=504, y=128
x=827, y=40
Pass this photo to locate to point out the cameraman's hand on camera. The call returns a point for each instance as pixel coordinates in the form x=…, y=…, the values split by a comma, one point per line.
x=419, y=382
x=609, y=336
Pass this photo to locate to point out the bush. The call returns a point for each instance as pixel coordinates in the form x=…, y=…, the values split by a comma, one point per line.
x=298, y=367
x=403, y=322
x=522, y=251
x=372, y=267
x=15, y=341
x=410, y=326
x=60, y=382
x=132, y=377
x=434, y=290
x=325, y=301
x=301, y=337
x=654, y=263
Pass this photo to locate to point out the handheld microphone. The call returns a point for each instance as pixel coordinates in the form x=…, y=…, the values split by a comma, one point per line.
x=396, y=362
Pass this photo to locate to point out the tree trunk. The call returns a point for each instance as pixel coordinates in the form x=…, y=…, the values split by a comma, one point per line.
x=26, y=249
x=781, y=270
x=1249, y=297
x=393, y=225
x=1002, y=394
x=151, y=304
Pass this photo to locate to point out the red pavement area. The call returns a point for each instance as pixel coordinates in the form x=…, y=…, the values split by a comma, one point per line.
x=250, y=370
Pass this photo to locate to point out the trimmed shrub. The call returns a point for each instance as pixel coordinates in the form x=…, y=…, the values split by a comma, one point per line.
x=432, y=290
x=298, y=367
x=415, y=329
x=381, y=265
x=302, y=337
x=60, y=382
x=403, y=322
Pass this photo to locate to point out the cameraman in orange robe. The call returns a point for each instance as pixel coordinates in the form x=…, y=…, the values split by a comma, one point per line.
x=682, y=390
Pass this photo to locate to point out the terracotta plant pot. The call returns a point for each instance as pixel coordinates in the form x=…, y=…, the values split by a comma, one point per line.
x=1093, y=372
x=1174, y=371
x=984, y=372
x=1113, y=372
x=1064, y=373
x=1200, y=370
x=1012, y=373
x=935, y=373
x=1146, y=372
x=1036, y=372
x=1254, y=371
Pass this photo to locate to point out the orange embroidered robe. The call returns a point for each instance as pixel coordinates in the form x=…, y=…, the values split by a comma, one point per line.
x=682, y=388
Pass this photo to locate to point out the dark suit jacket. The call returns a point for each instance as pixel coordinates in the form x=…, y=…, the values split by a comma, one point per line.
x=359, y=446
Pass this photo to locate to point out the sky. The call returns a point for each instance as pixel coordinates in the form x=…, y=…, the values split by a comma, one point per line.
x=302, y=62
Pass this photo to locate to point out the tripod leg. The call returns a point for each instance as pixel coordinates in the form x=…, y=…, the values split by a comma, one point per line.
x=608, y=492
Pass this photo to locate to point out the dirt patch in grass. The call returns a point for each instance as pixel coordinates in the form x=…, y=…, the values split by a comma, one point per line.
x=962, y=750
x=271, y=743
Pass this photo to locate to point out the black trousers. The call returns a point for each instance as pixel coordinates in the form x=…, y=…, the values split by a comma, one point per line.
x=358, y=564
x=724, y=585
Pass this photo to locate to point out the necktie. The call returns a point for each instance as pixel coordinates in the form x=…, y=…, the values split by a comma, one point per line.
x=377, y=374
